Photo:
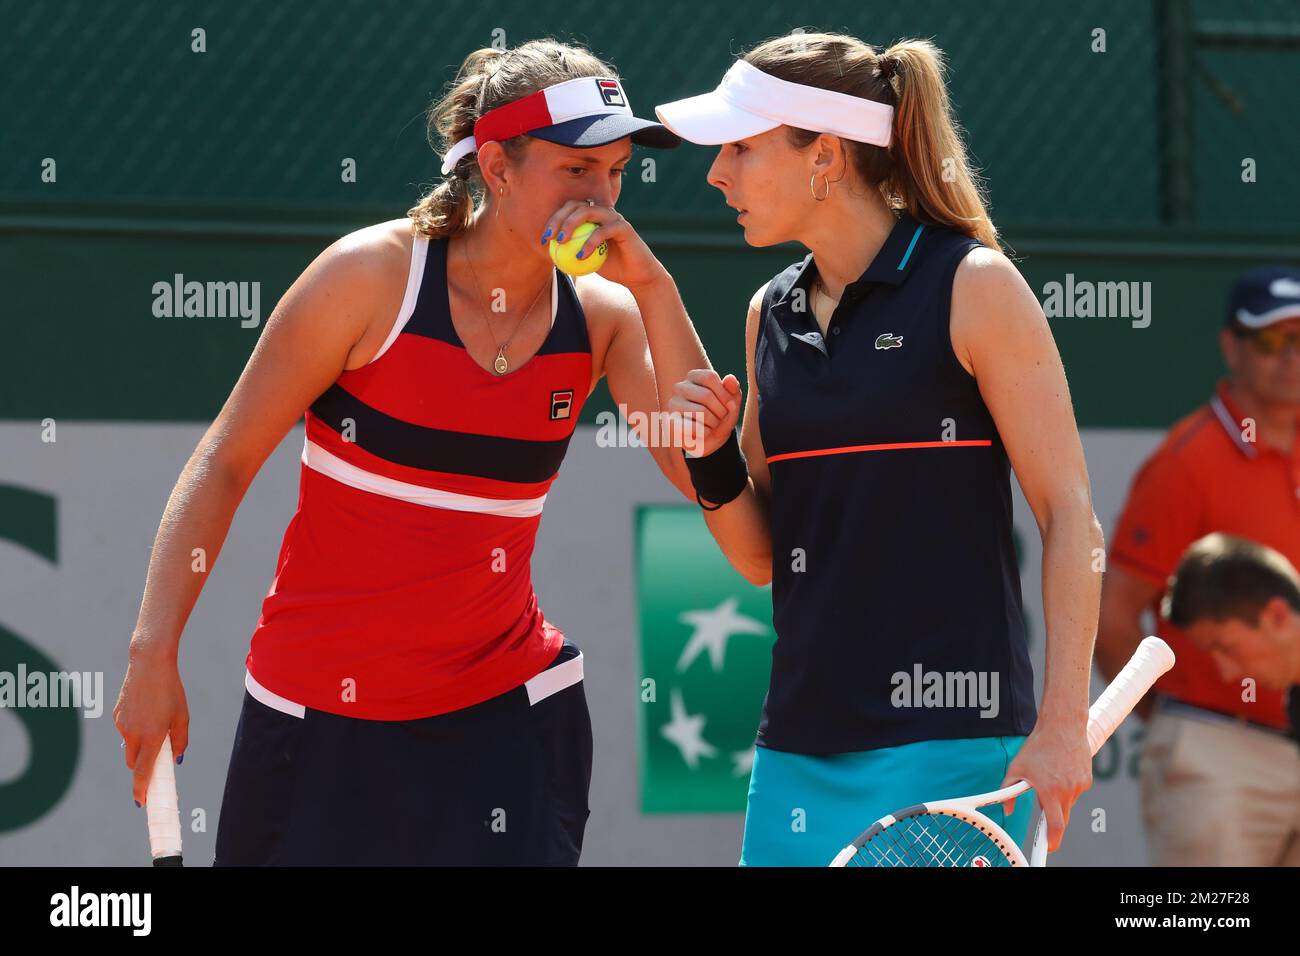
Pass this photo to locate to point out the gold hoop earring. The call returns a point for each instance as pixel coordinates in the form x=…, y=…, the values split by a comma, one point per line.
x=812, y=181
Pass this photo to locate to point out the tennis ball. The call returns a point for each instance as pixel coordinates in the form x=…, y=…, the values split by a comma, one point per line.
x=565, y=254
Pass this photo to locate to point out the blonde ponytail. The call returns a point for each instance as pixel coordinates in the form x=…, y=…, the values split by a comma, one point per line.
x=932, y=175
x=449, y=207
x=925, y=170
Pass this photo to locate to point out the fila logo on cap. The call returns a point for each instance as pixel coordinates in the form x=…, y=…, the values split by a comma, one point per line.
x=561, y=404
x=611, y=93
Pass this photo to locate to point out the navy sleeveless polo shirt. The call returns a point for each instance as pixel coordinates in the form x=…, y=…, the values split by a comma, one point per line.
x=895, y=590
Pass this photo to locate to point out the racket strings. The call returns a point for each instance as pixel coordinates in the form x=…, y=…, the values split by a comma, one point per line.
x=930, y=839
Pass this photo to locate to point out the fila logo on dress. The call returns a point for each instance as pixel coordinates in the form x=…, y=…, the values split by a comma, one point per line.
x=561, y=404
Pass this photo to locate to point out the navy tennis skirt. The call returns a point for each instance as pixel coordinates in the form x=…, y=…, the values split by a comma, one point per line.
x=504, y=782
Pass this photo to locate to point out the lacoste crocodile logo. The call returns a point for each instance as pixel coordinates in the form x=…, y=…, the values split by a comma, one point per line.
x=889, y=340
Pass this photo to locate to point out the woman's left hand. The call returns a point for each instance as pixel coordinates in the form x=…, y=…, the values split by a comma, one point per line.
x=630, y=262
x=1057, y=761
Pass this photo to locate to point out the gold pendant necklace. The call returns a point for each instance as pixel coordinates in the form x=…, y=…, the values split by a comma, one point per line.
x=500, y=364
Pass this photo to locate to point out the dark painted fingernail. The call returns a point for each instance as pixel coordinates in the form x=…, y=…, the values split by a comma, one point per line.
x=179, y=759
x=560, y=237
x=546, y=235
x=136, y=802
x=581, y=253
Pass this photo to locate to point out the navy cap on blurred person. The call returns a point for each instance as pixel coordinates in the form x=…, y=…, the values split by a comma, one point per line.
x=1264, y=296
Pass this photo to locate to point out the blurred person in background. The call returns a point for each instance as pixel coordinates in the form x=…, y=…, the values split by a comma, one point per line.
x=1232, y=466
x=1239, y=601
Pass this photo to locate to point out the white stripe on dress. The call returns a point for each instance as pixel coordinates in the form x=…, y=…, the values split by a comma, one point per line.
x=539, y=687
x=419, y=251
x=318, y=459
x=554, y=679
x=271, y=698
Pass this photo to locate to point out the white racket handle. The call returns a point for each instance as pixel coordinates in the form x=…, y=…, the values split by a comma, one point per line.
x=1152, y=658
x=1038, y=852
x=162, y=805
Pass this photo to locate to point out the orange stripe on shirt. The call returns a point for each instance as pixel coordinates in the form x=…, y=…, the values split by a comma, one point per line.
x=895, y=446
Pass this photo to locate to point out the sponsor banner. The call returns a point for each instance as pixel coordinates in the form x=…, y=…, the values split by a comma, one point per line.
x=706, y=643
x=659, y=613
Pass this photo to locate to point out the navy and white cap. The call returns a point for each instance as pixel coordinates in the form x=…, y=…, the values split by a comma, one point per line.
x=1264, y=296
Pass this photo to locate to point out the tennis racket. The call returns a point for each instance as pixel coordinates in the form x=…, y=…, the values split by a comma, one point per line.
x=163, y=809
x=955, y=833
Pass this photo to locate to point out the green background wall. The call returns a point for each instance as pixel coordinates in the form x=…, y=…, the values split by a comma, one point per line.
x=225, y=166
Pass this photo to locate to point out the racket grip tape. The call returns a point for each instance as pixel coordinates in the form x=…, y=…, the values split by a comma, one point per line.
x=163, y=809
x=1152, y=659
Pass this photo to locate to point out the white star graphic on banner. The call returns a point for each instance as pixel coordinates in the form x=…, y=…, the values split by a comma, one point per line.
x=712, y=629
x=686, y=733
x=742, y=762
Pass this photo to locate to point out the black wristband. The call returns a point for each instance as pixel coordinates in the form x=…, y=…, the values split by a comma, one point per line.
x=721, y=476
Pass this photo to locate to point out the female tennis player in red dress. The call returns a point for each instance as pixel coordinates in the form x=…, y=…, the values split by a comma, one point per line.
x=406, y=700
x=896, y=374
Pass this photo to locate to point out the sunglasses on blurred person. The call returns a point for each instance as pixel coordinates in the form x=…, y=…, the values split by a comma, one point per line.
x=1269, y=341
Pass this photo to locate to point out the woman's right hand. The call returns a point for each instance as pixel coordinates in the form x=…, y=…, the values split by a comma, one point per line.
x=150, y=706
x=710, y=406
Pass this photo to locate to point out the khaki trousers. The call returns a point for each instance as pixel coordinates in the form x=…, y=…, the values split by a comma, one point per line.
x=1218, y=793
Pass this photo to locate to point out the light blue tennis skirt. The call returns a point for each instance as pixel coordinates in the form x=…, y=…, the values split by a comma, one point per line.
x=804, y=809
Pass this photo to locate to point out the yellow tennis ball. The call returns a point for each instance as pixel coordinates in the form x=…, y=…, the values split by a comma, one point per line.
x=565, y=254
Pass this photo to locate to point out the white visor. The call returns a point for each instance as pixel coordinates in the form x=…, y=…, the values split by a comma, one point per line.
x=748, y=102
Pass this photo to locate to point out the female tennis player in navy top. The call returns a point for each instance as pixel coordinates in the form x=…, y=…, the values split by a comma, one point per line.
x=406, y=700
x=896, y=374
